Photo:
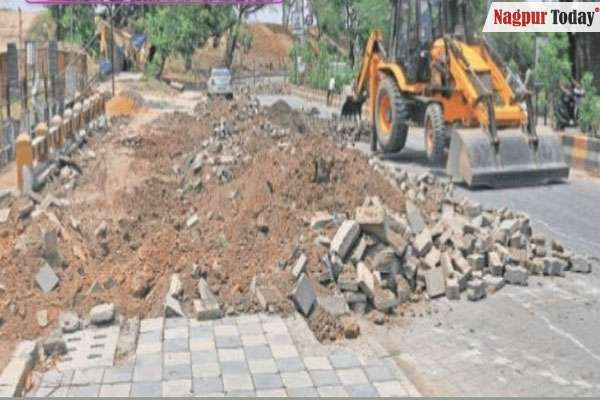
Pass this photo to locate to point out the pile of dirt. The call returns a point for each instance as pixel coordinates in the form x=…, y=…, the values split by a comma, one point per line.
x=122, y=105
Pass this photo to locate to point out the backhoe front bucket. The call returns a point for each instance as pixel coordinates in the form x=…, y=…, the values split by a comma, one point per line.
x=474, y=159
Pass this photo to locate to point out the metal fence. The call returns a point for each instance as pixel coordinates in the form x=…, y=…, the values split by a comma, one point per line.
x=37, y=81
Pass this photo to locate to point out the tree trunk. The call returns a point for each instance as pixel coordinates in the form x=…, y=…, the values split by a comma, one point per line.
x=188, y=62
x=161, y=66
x=232, y=42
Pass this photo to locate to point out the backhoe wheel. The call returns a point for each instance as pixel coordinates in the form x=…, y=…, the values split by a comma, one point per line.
x=391, y=116
x=435, y=134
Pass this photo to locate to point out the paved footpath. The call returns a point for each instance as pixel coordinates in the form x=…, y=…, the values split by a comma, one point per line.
x=253, y=355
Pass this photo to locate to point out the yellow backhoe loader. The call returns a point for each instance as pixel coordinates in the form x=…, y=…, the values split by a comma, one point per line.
x=437, y=75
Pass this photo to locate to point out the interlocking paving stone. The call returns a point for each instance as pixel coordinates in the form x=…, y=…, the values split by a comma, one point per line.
x=248, y=319
x=231, y=355
x=175, y=346
x=90, y=348
x=152, y=324
x=228, y=342
x=149, y=348
x=279, y=339
x=344, y=360
x=149, y=359
x=250, y=329
x=291, y=364
x=150, y=337
x=177, y=372
x=390, y=389
x=87, y=376
x=226, y=330
x=177, y=333
x=202, y=344
x=234, y=367
x=258, y=352
x=296, y=379
x=243, y=393
x=267, y=381
x=199, y=357
x=119, y=374
x=54, y=378
x=366, y=390
x=317, y=363
x=115, y=390
x=324, y=378
x=176, y=323
x=264, y=366
x=84, y=391
x=197, y=332
x=147, y=373
x=206, y=370
x=271, y=393
x=237, y=382
x=208, y=385
x=284, y=351
x=302, y=392
x=177, y=359
x=379, y=374
x=353, y=376
x=332, y=391
x=253, y=340
x=146, y=389
x=52, y=392
x=177, y=388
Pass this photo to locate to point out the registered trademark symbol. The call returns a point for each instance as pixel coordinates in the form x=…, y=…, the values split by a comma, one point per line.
x=597, y=9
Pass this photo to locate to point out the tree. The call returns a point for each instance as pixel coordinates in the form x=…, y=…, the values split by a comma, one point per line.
x=182, y=29
x=76, y=24
x=241, y=11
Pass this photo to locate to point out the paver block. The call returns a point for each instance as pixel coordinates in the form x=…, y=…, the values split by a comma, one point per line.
x=336, y=304
x=147, y=373
x=177, y=388
x=258, y=352
x=363, y=391
x=304, y=295
x=352, y=376
x=324, y=378
x=88, y=376
x=176, y=345
x=177, y=372
x=177, y=333
x=207, y=369
x=414, y=217
x=581, y=265
x=344, y=360
x=46, y=278
x=332, y=391
x=170, y=359
x=173, y=308
x=228, y=342
x=289, y=364
x=366, y=280
x=300, y=266
x=146, y=389
x=372, y=220
x=493, y=283
x=119, y=374
x=435, y=282
x=237, y=382
x=284, y=351
x=476, y=290
x=344, y=239
x=390, y=389
x=234, y=367
x=379, y=374
x=267, y=381
x=308, y=392
x=207, y=385
x=296, y=379
x=554, y=266
x=151, y=324
x=516, y=275
x=231, y=355
x=84, y=391
x=115, y=390
x=317, y=363
x=423, y=242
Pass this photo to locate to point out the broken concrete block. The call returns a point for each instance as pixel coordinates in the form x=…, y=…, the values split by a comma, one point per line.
x=102, y=314
x=348, y=280
x=372, y=220
x=386, y=261
x=304, y=295
x=366, y=280
x=192, y=221
x=359, y=250
x=300, y=266
x=433, y=258
x=415, y=218
x=345, y=238
x=495, y=264
x=554, y=266
x=452, y=289
x=46, y=278
x=205, y=312
x=435, y=282
x=173, y=308
x=336, y=305
x=476, y=261
x=69, y=322
x=266, y=296
x=320, y=220
x=517, y=241
x=423, y=242
x=581, y=265
x=397, y=242
x=4, y=214
x=54, y=345
x=516, y=275
x=493, y=283
x=175, y=286
x=42, y=318
x=471, y=209
x=384, y=300
x=476, y=290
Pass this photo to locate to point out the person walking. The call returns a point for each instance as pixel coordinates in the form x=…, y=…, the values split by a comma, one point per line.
x=330, y=90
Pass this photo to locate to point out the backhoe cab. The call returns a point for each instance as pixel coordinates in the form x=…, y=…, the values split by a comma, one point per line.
x=434, y=73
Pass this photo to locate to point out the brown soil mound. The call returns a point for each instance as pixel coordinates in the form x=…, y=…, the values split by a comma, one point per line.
x=121, y=105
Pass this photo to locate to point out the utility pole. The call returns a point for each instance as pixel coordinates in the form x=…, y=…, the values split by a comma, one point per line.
x=112, y=48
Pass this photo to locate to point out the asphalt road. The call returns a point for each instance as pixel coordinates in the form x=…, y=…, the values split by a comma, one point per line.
x=536, y=341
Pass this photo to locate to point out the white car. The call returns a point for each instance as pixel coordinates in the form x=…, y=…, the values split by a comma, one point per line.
x=219, y=83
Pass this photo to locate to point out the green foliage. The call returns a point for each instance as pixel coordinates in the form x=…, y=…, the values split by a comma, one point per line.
x=76, y=24
x=589, y=109
x=554, y=66
x=513, y=47
x=181, y=29
x=319, y=67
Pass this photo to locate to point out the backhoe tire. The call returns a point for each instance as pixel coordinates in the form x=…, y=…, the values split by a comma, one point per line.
x=435, y=134
x=391, y=116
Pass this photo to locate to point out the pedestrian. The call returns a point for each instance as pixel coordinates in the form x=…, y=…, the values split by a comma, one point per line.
x=330, y=90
